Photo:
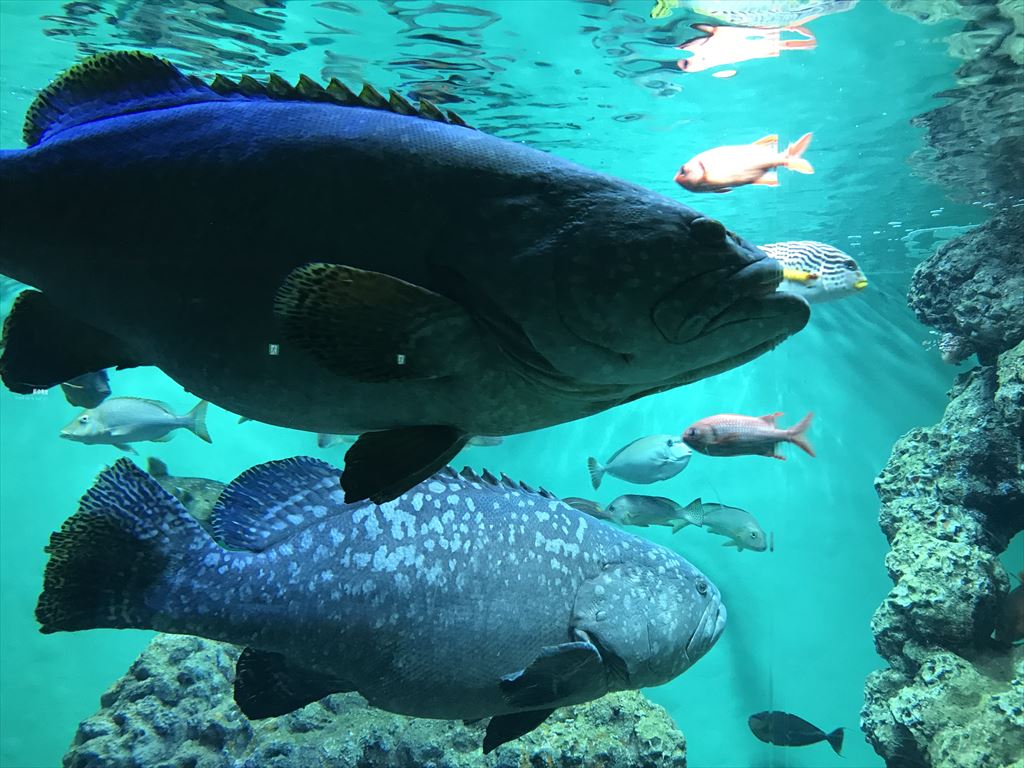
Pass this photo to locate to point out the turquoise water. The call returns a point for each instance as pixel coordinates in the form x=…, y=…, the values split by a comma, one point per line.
x=595, y=83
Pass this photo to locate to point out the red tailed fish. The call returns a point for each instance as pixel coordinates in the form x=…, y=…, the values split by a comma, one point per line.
x=729, y=434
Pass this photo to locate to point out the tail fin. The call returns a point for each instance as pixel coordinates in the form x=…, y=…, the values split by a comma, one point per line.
x=797, y=437
x=794, y=152
x=692, y=514
x=107, y=556
x=596, y=472
x=197, y=420
x=835, y=739
x=586, y=506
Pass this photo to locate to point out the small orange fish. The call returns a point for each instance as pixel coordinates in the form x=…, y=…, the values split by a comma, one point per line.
x=729, y=434
x=722, y=168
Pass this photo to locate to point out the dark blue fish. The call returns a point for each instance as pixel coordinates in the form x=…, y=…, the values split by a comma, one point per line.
x=466, y=597
x=785, y=730
x=243, y=236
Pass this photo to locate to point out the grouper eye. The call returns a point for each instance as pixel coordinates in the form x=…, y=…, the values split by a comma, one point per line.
x=702, y=586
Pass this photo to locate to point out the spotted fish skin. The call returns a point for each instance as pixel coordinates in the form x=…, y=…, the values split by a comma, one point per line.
x=838, y=275
x=422, y=604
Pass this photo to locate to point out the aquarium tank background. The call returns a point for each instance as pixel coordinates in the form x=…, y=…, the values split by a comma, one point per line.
x=894, y=552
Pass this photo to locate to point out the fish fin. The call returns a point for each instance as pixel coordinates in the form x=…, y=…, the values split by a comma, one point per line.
x=197, y=420
x=108, y=556
x=729, y=543
x=768, y=179
x=373, y=327
x=504, y=728
x=43, y=346
x=771, y=140
x=126, y=447
x=835, y=740
x=381, y=466
x=272, y=502
x=558, y=672
x=121, y=82
x=794, y=152
x=678, y=525
x=799, y=275
x=772, y=454
x=156, y=467
x=797, y=434
x=596, y=471
x=266, y=685
x=586, y=506
x=165, y=439
x=722, y=190
x=243, y=419
x=771, y=417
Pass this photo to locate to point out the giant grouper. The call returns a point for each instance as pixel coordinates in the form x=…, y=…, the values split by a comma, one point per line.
x=353, y=264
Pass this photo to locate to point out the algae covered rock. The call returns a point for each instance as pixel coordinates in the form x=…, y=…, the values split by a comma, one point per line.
x=174, y=709
x=973, y=286
x=952, y=499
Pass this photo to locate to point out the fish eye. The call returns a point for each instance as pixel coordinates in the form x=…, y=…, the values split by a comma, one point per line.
x=850, y=264
x=83, y=419
x=702, y=586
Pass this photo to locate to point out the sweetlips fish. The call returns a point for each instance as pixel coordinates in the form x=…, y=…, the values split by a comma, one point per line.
x=348, y=263
x=630, y=509
x=739, y=527
x=466, y=597
x=730, y=434
x=817, y=272
x=645, y=460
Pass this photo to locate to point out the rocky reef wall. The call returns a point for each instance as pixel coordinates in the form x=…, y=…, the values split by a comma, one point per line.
x=952, y=500
x=174, y=709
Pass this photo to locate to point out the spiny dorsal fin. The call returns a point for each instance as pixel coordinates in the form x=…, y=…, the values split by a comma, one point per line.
x=101, y=86
x=124, y=82
x=508, y=482
x=488, y=478
x=469, y=475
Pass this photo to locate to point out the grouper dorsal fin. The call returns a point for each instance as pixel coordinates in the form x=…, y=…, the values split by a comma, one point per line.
x=272, y=502
x=126, y=82
x=486, y=478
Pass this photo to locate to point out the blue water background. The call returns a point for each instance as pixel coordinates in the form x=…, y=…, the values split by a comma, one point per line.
x=798, y=637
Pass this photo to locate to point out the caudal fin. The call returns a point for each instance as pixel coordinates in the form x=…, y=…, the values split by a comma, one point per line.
x=691, y=514
x=796, y=434
x=596, y=472
x=197, y=420
x=835, y=739
x=107, y=557
x=794, y=155
x=586, y=506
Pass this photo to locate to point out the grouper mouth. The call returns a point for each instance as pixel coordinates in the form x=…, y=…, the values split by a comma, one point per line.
x=707, y=631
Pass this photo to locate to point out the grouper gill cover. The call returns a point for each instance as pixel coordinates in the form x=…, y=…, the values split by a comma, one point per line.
x=520, y=290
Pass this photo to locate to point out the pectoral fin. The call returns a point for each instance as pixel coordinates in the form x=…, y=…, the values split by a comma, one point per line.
x=559, y=672
x=266, y=685
x=43, y=346
x=504, y=728
x=374, y=327
x=381, y=466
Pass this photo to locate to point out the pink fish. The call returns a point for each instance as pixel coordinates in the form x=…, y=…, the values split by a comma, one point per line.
x=729, y=434
x=722, y=168
x=731, y=45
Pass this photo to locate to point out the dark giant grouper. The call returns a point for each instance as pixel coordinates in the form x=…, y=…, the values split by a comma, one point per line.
x=347, y=264
x=466, y=597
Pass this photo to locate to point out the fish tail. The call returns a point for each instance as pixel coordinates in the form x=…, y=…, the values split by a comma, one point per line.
x=596, y=472
x=796, y=434
x=692, y=514
x=197, y=420
x=586, y=506
x=109, y=558
x=794, y=155
x=835, y=740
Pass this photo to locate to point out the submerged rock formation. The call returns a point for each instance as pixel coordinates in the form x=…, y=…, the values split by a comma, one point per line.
x=174, y=709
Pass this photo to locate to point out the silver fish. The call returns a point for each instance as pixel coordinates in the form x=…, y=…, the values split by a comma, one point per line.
x=120, y=421
x=738, y=525
x=645, y=460
x=817, y=272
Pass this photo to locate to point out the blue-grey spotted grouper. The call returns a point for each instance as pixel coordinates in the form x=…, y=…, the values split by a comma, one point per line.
x=352, y=264
x=466, y=597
